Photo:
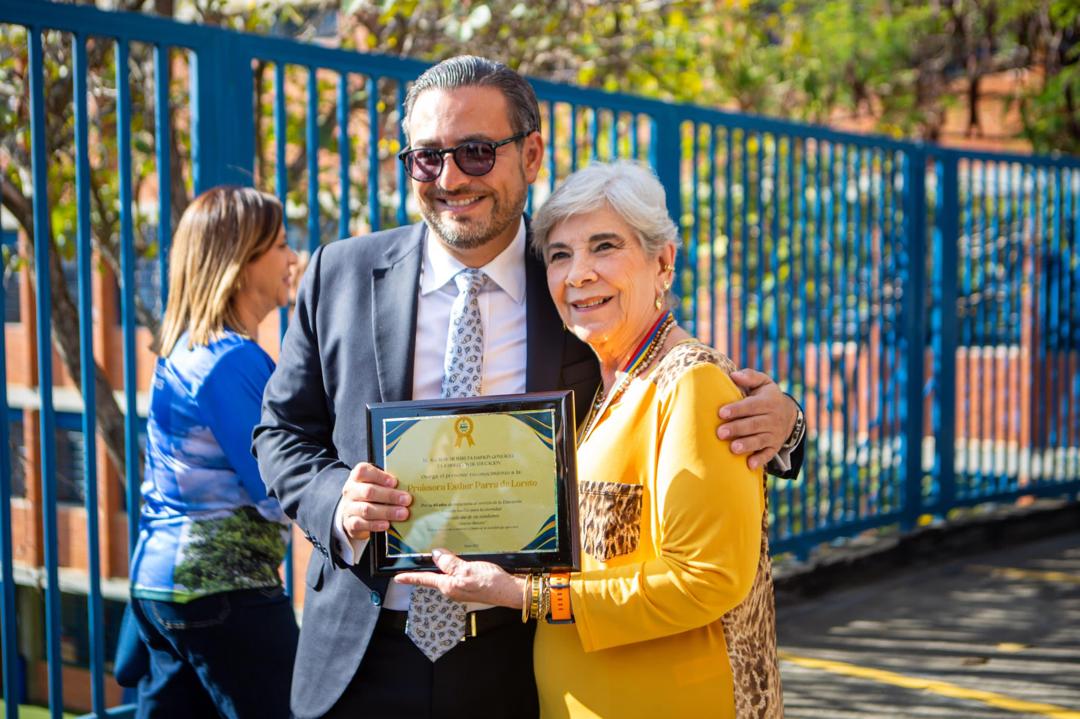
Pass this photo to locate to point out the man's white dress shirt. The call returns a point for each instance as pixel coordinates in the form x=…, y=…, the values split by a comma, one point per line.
x=502, y=313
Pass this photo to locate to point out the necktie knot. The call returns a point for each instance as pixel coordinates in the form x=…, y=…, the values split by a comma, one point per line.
x=470, y=281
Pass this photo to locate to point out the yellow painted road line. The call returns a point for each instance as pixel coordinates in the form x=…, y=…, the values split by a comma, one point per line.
x=933, y=686
x=1036, y=574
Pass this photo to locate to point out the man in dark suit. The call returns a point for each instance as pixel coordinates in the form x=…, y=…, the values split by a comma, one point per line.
x=371, y=325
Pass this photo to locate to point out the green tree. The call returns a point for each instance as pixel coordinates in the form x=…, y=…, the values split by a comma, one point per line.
x=901, y=61
x=242, y=548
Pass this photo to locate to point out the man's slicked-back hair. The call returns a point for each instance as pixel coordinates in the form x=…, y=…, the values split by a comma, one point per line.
x=473, y=71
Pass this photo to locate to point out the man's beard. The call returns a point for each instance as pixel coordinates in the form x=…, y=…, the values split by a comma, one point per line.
x=478, y=232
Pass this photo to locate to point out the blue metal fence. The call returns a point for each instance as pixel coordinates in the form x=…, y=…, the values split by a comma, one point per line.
x=918, y=299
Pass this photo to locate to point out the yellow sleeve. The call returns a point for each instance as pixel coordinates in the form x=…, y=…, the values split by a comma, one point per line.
x=709, y=504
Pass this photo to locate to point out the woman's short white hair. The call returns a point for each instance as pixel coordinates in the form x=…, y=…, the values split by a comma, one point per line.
x=631, y=190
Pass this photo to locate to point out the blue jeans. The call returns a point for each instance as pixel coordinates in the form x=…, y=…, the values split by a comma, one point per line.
x=229, y=655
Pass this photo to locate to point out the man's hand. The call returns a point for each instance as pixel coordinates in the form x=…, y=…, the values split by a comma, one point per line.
x=759, y=424
x=468, y=581
x=369, y=501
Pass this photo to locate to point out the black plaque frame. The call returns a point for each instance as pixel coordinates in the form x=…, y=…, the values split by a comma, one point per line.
x=567, y=556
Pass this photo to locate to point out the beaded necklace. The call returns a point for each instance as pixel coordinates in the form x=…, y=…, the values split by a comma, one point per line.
x=640, y=359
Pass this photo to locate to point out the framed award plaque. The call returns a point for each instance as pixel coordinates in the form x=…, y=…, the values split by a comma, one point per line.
x=492, y=479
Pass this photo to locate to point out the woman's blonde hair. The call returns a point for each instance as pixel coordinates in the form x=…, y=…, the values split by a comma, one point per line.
x=221, y=231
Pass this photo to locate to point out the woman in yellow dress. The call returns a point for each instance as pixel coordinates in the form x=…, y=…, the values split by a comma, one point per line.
x=672, y=612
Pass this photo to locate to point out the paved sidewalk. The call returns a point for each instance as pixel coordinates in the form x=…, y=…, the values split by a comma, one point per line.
x=987, y=635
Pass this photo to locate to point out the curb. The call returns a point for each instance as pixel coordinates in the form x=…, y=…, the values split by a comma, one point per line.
x=874, y=559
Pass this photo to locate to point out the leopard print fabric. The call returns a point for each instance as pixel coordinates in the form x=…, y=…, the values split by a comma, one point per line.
x=610, y=518
x=750, y=628
x=750, y=634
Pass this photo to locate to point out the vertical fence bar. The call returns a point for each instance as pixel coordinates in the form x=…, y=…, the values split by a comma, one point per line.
x=855, y=510
x=344, y=154
x=992, y=193
x=312, y=142
x=713, y=335
x=691, y=253
x=666, y=150
x=936, y=309
x=793, y=334
x=1040, y=252
x=729, y=243
x=163, y=152
x=801, y=228
x=374, y=207
x=594, y=134
x=127, y=291
x=1056, y=345
x=42, y=233
x=552, y=160
x=824, y=429
x=1070, y=337
x=777, y=259
x=1026, y=211
x=402, y=180
x=841, y=259
x=759, y=208
x=574, y=139
x=985, y=332
x=613, y=136
x=1013, y=313
x=9, y=651
x=915, y=330
x=896, y=330
x=966, y=335
x=836, y=439
x=948, y=223
x=281, y=181
x=95, y=612
x=281, y=175
x=744, y=250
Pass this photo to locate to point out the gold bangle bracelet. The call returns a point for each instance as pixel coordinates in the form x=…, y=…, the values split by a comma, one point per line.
x=534, y=608
x=525, y=602
x=545, y=600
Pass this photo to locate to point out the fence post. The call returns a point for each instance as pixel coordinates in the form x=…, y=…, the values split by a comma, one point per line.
x=222, y=112
x=914, y=311
x=665, y=155
x=948, y=228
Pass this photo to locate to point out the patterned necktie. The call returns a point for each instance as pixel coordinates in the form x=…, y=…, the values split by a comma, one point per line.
x=436, y=623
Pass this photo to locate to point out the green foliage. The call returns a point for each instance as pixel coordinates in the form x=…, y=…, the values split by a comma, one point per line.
x=903, y=62
x=242, y=549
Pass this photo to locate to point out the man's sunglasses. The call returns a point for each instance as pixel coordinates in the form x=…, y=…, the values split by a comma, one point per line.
x=476, y=158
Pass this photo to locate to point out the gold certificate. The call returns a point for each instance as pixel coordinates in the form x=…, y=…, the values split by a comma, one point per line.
x=490, y=479
x=481, y=483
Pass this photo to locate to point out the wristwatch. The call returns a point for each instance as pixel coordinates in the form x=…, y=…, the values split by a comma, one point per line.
x=798, y=430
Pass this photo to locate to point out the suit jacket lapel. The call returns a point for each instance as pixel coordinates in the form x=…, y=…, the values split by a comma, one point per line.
x=394, y=285
x=543, y=326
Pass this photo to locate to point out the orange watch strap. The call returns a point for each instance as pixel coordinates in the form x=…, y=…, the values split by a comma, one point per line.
x=559, y=585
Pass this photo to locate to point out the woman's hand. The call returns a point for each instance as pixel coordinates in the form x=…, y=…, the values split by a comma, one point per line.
x=469, y=581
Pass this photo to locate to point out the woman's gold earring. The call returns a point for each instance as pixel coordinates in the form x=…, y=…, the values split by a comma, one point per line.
x=658, y=302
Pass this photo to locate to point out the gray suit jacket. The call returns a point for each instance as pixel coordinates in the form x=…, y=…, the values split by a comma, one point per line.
x=351, y=343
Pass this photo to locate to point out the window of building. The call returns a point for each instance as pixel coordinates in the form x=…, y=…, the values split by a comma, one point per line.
x=8, y=248
x=16, y=454
x=70, y=454
x=75, y=630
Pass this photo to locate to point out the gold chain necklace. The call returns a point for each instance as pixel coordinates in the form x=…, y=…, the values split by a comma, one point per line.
x=601, y=403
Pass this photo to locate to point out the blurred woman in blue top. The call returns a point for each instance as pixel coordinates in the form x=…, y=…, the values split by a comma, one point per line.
x=205, y=586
